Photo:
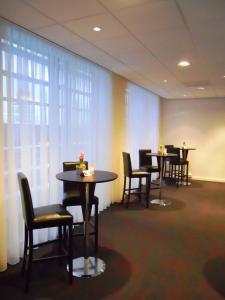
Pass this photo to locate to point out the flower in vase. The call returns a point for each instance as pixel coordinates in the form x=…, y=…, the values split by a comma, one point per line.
x=81, y=156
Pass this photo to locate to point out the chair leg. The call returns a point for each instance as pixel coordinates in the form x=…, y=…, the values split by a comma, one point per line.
x=70, y=254
x=124, y=188
x=128, y=196
x=139, y=185
x=139, y=189
x=172, y=174
x=187, y=173
x=60, y=237
x=178, y=172
x=148, y=183
x=30, y=258
x=96, y=228
x=64, y=233
x=24, y=250
x=182, y=174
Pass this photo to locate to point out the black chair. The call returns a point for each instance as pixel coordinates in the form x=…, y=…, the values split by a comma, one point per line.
x=145, y=163
x=130, y=174
x=178, y=167
x=72, y=197
x=166, y=165
x=54, y=215
x=168, y=146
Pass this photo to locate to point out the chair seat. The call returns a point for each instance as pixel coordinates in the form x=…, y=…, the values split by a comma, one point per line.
x=139, y=173
x=130, y=173
x=73, y=199
x=180, y=162
x=54, y=215
x=51, y=215
x=150, y=168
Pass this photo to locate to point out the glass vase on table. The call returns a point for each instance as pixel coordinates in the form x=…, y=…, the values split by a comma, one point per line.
x=82, y=166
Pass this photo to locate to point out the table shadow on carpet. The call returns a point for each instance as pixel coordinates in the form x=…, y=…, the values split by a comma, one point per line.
x=214, y=271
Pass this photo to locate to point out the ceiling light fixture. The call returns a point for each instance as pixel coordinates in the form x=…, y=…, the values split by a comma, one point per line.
x=97, y=28
x=183, y=63
x=165, y=80
x=201, y=88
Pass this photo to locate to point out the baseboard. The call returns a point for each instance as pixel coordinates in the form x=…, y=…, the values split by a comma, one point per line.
x=213, y=179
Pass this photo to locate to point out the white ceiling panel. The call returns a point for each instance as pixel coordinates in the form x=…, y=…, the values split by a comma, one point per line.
x=119, y=45
x=84, y=27
x=175, y=42
x=110, y=63
x=67, y=9
x=217, y=71
x=22, y=14
x=142, y=40
x=71, y=42
x=202, y=11
x=67, y=40
x=154, y=16
x=210, y=39
x=119, y=4
x=219, y=92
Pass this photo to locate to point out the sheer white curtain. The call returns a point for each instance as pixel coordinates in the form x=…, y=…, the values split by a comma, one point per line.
x=143, y=117
x=54, y=104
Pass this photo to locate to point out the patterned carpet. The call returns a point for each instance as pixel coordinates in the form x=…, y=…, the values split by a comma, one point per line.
x=175, y=252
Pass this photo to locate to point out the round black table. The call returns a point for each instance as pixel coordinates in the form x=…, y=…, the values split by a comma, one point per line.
x=185, y=151
x=87, y=266
x=162, y=156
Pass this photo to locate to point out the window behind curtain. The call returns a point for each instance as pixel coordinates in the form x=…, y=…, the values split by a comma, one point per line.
x=142, y=116
x=55, y=104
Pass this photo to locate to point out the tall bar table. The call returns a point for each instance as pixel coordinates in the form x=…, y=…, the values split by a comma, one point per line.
x=87, y=266
x=185, y=151
x=159, y=201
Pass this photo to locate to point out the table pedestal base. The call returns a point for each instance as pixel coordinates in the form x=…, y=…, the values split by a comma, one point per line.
x=187, y=184
x=89, y=267
x=160, y=202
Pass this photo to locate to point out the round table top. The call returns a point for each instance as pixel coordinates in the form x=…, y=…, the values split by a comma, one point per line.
x=187, y=148
x=97, y=177
x=161, y=154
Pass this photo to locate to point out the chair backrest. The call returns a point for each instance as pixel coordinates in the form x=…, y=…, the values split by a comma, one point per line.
x=169, y=146
x=144, y=159
x=26, y=199
x=174, y=159
x=127, y=166
x=70, y=166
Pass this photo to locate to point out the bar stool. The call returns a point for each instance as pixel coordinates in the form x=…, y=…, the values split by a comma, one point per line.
x=134, y=173
x=145, y=163
x=178, y=167
x=54, y=215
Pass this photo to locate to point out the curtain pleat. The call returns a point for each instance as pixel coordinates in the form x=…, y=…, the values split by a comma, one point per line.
x=55, y=104
x=3, y=238
x=51, y=110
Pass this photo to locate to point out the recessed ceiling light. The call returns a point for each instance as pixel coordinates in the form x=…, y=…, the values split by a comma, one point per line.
x=185, y=95
x=165, y=80
x=183, y=63
x=201, y=88
x=97, y=28
x=224, y=76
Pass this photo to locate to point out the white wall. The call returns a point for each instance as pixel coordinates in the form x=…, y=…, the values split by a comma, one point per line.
x=201, y=124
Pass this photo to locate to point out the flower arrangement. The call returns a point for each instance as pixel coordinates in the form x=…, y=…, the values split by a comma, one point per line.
x=161, y=149
x=82, y=166
x=81, y=156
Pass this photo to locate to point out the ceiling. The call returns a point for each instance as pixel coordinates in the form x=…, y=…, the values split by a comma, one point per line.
x=141, y=40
